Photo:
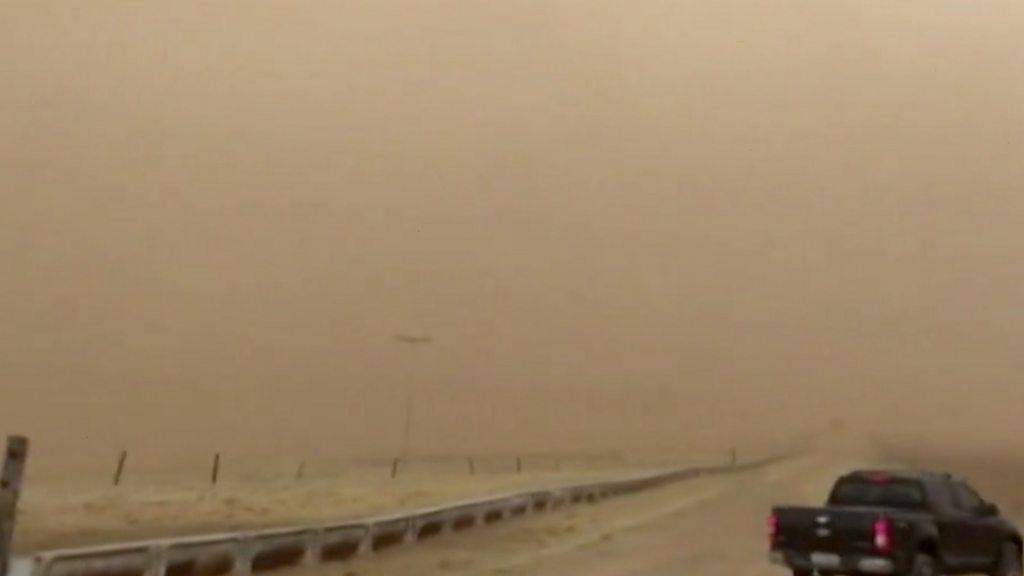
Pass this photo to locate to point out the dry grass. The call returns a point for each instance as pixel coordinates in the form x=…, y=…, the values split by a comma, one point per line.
x=62, y=516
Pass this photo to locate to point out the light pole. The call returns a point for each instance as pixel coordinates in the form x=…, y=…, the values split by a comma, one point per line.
x=413, y=342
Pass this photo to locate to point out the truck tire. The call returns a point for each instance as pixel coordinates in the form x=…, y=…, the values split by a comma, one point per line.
x=1009, y=561
x=924, y=565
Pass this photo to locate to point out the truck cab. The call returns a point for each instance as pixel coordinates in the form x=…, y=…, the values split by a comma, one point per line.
x=896, y=522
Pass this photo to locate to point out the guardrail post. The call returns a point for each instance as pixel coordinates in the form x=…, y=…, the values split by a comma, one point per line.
x=22, y=566
x=411, y=531
x=158, y=562
x=314, y=548
x=366, y=544
x=448, y=525
x=246, y=552
x=10, y=489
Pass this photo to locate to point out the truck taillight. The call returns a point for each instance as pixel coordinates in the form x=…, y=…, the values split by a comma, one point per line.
x=883, y=535
x=773, y=526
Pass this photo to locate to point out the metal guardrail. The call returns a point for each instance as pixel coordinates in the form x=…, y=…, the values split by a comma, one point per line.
x=251, y=552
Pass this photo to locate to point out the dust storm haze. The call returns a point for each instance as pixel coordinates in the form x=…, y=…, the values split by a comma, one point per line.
x=641, y=226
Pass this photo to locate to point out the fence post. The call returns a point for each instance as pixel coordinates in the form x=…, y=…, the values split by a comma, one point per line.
x=519, y=464
x=120, y=467
x=394, y=468
x=10, y=489
x=301, y=472
x=732, y=457
x=215, y=474
x=472, y=466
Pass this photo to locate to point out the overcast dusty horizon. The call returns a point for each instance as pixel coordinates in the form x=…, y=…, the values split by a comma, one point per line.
x=653, y=226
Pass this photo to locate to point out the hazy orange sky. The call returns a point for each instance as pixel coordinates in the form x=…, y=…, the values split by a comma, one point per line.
x=626, y=224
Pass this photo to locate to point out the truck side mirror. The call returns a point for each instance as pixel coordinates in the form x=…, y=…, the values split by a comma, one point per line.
x=988, y=509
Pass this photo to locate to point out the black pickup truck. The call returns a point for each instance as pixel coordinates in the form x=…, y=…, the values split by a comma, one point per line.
x=899, y=523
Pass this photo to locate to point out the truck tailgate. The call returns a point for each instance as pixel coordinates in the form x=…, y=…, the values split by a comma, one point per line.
x=805, y=529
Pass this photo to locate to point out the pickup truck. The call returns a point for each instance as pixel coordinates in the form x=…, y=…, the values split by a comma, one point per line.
x=898, y=523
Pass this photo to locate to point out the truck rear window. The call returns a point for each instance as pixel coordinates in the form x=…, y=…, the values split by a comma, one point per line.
x=893, y=493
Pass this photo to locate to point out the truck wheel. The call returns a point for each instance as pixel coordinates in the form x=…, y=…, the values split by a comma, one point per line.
x=1009, y=561
x=924, y=565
